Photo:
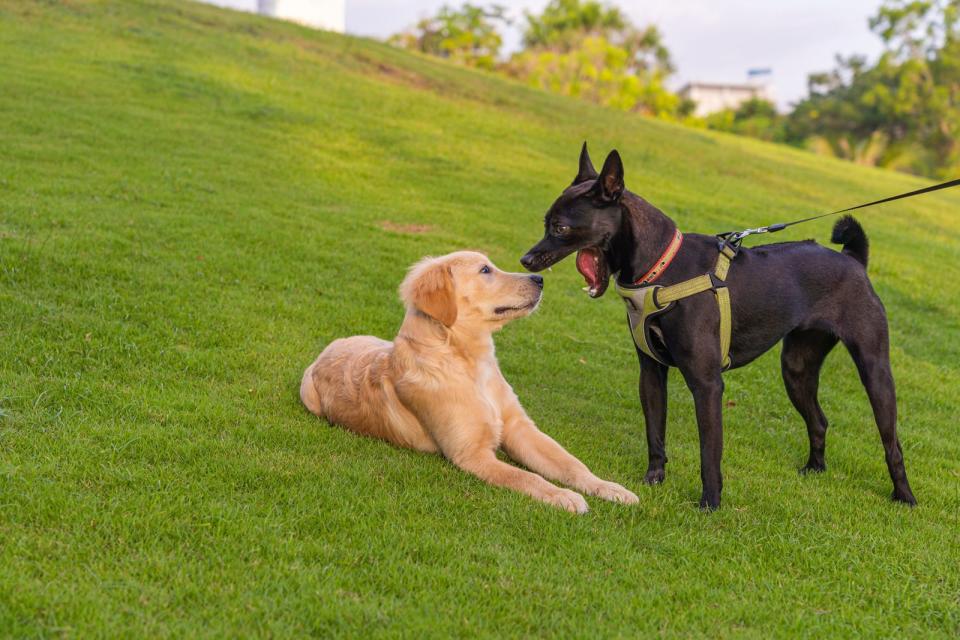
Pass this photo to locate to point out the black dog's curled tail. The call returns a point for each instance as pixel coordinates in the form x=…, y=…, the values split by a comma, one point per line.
x=849, y=233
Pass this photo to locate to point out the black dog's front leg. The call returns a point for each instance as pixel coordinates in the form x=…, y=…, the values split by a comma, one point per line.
x=707, y=392
x=653, y=399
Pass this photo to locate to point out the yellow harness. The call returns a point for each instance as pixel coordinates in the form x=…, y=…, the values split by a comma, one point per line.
x=645, y=303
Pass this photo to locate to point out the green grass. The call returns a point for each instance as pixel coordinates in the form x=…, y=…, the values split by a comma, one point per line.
x=192, y=204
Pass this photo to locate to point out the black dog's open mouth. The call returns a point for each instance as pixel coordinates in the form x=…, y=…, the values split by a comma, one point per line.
x=592, y=265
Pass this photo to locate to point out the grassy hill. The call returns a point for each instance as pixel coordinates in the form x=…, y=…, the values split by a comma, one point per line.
x=193, y=202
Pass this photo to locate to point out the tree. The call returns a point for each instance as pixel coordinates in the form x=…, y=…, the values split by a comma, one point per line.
x=564, y=22
x=576, y=47
x=904, y=111
x=467, y=35
x=757, y=118
x=586, y=49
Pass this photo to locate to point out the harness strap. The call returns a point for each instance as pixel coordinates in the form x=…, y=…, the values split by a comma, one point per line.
x=643, y=303
x=726, y=325
x=727, y=254
x=641, y=308
x=685, y=289
x=720, y=270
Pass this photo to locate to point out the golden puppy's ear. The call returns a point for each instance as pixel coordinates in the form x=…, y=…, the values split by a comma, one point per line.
x=429, y=288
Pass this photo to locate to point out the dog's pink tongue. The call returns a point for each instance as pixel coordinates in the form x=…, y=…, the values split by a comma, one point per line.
x=587, y=266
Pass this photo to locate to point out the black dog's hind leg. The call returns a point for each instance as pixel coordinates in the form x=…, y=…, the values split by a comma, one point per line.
x=800, y=361
x=653, y=399
x=870, y=350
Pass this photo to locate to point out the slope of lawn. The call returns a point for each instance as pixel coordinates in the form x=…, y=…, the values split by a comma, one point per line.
x=193, y=202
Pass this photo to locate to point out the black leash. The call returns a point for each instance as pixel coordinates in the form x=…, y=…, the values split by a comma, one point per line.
x=734, y=237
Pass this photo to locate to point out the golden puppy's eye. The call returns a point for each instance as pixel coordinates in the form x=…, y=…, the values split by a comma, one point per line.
x=485, y=269
x=560, y=229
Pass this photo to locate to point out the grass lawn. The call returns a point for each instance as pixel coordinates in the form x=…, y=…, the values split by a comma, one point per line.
x=193, y=202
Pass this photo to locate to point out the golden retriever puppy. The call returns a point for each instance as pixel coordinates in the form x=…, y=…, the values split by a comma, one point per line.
x=437, y=386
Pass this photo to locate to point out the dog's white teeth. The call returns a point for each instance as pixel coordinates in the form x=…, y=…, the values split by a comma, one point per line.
x=592, y=292
x=587, y=289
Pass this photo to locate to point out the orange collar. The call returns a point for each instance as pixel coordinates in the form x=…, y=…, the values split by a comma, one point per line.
x=663, y=261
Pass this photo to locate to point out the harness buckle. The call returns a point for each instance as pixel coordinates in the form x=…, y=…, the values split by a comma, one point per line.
x=716, y=282
x=656, y=303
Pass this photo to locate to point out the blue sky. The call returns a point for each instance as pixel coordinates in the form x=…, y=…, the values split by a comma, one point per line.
x=711, y=40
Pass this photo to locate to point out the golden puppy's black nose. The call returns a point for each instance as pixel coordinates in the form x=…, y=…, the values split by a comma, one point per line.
x=538, y=280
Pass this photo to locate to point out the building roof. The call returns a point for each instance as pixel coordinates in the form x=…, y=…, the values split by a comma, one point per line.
x=722, y=85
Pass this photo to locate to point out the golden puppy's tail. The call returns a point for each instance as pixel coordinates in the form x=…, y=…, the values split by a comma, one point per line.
x=308, y=393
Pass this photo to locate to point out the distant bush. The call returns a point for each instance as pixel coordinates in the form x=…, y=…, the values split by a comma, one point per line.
x=579, y=48
x=756, y=118
x=467, y=35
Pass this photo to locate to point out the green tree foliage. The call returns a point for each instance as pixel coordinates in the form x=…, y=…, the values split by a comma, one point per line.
x=564, y=22
x=587, y=49
x=467, y=35
x=904, y=111
x=580, y=48
x=757, y=118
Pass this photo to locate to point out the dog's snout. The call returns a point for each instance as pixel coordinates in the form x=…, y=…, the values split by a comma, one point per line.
x=527, y=261
x=537, y=280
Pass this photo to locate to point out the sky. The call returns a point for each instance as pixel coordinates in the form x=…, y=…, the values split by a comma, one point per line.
x=710, y=40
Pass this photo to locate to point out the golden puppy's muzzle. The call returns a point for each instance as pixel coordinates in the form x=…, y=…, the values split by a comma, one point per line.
x=529, y=291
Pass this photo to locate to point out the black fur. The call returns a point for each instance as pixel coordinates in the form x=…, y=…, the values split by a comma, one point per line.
x=849, y=233
x=804, y=294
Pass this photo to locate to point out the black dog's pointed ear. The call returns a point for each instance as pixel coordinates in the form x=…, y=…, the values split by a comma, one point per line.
x=610, y=182
x=586, y=172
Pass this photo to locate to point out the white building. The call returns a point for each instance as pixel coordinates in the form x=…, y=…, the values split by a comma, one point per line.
x=320, y=14
x=712, y=97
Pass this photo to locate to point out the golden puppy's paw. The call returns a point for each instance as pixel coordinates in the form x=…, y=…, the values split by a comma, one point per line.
x=613, y=492
x=569, y=500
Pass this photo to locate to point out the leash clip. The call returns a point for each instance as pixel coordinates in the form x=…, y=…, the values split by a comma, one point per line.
x=738, y=236
x=734, y=238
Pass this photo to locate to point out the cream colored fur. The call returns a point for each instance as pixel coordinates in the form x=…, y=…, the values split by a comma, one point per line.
x=437, y=386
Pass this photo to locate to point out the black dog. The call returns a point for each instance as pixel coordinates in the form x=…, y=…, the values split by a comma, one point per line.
x=800, y=292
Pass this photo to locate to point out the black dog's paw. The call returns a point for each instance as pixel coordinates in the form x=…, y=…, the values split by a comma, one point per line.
x=709, y=504
x=904, y=496
x=655, y=476
x=813, y=467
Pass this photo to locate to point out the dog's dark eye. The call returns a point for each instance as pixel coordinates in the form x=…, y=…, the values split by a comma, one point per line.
x=484, y=269
x=560, y=229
